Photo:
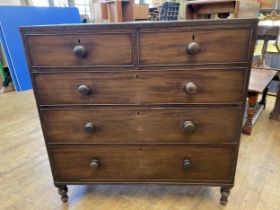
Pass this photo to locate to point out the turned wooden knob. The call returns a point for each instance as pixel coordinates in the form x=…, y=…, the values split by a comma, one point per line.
x=187, y=164
x=191, y=88
x=94, y=164
x=89, y=127
x=188, y=126
x=80, y=51
x=84, y=90
x=193, y=48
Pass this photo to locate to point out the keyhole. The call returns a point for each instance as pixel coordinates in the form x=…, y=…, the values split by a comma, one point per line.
x=140, y=149
x=138, y=113
x=79, y=41
x=193, y=37
x=136, y=76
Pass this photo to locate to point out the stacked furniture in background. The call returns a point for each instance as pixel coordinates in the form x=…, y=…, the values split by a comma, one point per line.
x=197, y=9
x=120, y=10
x=100, y=12
x=169, y=11
x=140, y=12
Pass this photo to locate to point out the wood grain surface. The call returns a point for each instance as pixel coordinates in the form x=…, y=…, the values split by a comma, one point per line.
x=146, y=163
x=116, y=79
x=27, y=183
x=141, y=125
x=260, y=79
x=216, y=46
x=142, y=87
x=102, y=49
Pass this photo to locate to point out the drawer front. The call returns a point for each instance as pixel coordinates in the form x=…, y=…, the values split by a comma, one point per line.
x=81, y=49
x=194, y=47
x=136, y=125
x=146, y=163
x=142, y=87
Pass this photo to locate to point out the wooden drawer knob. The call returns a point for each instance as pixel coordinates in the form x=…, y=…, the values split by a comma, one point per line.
x=80, y=51
x=89, y=127
x=191, y=88
x=193, y=48
x=189, y=126
x=94, y=164
x=84, y=90
x=187, y=164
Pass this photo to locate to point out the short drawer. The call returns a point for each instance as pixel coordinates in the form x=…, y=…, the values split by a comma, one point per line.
x=142, y=87
x=81, y=49
x=194, y=47
x=135, y=125
x=143, y=163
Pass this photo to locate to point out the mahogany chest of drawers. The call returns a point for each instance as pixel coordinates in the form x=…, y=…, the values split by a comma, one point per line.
x=158, y=102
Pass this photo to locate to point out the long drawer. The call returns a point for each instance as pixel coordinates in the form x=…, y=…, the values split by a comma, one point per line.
x=142, y=87
x=193, y=47
x=103, y=125
x=145, y=163
x=81, y=49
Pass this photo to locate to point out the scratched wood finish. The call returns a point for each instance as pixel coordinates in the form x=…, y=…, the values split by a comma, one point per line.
x=132, y=163
x=142, y=87
x=140, y=125
x=26, y=178
x=117, y=44
x=216, y=46
x=137, y=72
x=101, y=49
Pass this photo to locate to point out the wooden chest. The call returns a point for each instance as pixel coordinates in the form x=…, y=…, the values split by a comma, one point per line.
x=158, y=102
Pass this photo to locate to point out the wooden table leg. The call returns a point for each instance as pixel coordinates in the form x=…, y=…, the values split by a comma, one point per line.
x=264, y=49
x=263, y=100
x=252, y=101
x=275, y=114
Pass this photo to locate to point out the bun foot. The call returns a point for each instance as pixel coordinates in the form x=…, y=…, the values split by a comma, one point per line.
x=64, y=199
x=225, y=191
x=62, y=191
x=223, y=202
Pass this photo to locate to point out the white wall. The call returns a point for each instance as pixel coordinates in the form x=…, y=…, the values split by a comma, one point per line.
x=12, y=2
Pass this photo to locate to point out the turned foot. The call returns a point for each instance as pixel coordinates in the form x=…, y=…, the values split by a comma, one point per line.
x=225, y=191
x=62, y=191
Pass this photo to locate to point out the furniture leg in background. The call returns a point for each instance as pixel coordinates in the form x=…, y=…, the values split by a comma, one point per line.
x=275, y=114
x=259, y=81
x=268, y=32
x=252, y=101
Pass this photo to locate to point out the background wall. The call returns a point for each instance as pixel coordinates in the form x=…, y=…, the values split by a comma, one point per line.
x=13, y=2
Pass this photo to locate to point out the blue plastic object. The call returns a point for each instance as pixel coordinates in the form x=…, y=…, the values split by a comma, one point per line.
x=11, y=18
